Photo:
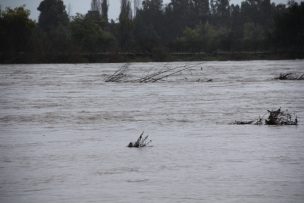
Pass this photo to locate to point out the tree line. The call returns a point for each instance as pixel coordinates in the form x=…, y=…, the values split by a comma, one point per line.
x=182, y=26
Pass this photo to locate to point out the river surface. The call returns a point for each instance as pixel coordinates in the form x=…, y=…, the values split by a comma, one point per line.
x=64, y=131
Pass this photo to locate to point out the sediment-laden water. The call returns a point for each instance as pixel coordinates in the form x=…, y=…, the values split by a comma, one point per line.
x=64, y=131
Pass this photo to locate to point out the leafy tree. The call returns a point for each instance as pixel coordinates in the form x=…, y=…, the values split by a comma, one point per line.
x=125, y=25
x=89, y=36
x=201, y=8
x=253, y=36
x=181, y=25
x=52, y=14
x=289, y=27
x=204, y=37
x=125, y=11
x=191, y=40
x=222, y=8
x=54, y=22
x=220, y=12
x=15, y=30
x=179, y=15
x=149, y=25
x=236, y=26
x=104, y=10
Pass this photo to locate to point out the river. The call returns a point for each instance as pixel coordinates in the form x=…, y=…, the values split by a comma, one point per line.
x=64, y=132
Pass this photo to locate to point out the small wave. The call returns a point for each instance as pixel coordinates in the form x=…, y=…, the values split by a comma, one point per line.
x=117, y=171
x=137, y=180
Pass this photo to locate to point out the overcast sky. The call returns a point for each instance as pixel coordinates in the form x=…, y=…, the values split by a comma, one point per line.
x=81, y=6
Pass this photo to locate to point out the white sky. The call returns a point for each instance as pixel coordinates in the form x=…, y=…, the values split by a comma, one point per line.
x=80, y=6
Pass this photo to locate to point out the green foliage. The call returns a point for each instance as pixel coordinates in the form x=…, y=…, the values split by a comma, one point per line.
x=180, y=26
x=15, y=30
x=191, y=40
x=206, y=37
x=221, y=8
x=53, y=27
x=149, y=26
x=104, y=10
x=125, y=25
x=254, y=36
x=89, y=36
x=289, y=27
x=52, y=14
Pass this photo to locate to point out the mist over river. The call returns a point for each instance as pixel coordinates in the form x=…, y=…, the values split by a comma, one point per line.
x=64, y=132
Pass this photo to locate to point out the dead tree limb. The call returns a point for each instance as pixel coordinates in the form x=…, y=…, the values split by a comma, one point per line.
x=118, y=75
x=290, y=76
x=154, y=77
x=276, y=117
x=151, y=77
x=166, y=76
x=301, y=77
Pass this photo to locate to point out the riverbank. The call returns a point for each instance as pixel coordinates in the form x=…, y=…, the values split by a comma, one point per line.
x=116, y=57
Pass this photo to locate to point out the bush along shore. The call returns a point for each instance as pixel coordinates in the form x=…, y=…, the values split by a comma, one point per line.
x=178, y=31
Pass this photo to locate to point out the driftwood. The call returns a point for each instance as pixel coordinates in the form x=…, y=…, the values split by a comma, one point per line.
x=154, y=77
x=118, y=75
x=168, y=75
x=290, y=76
x=201, y=80
x=277, y=117
x=150, y=77
x=140, y=142
x=258, y=121
x=160, y=75
x=243, y=122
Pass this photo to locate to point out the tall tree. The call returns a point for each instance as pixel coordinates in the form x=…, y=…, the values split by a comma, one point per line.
x=236, y=27
x=220, y=12
x=104, y=10
x=52, y=14
x=223, y=9
x=125, y=24
x=202, y=9
x=152, y=11
x=136, y=6
x=149, y=26
x=89, y=35
x=289, y=27
x=125, y=10
x=180, y=14
x=54, y=25
x=95, y=5
x=15, y=30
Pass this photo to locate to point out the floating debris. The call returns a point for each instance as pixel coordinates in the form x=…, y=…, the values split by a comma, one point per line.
x=140, y=142
x=277, y=117
x=243, y=122
x=118, y=75
x=201, y=80
x=290, y=76
x=160, y=75
x=258, y=121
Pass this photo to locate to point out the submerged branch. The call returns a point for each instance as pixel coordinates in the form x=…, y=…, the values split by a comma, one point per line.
x=140, y=142
x=277, y=117
x=290, y=76
x=118, y=75
x=150, y=78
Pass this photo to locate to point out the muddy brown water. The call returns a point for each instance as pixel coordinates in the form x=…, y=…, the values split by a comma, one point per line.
x=64, y=131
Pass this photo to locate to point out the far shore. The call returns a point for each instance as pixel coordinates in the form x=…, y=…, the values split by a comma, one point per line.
x=118, y=57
